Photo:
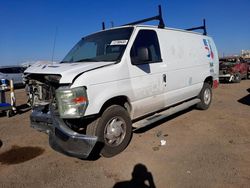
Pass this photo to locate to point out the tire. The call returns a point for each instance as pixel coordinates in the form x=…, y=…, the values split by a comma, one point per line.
x=205, y=96
x=113, y=129
x=237, y=78
x=9, y=113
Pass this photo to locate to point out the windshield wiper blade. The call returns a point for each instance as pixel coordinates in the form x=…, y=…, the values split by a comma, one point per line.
x=87, y=59
x=64, y=61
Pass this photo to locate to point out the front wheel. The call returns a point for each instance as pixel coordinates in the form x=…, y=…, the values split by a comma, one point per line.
x=205, y=96
x=113, y=129
x=237, y=78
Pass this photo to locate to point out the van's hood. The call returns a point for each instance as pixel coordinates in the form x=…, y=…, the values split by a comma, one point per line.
x=68, y=71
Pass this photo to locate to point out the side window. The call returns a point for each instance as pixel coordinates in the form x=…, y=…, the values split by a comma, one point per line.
x=6, y=70
x=146, y=48
x=16, y=70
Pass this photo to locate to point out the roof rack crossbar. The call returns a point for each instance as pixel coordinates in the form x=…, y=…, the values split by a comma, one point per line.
x=158, y=17
x=161, y=22
x=201, y=27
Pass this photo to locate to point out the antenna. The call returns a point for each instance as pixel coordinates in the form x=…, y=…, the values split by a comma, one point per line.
x=54, y=45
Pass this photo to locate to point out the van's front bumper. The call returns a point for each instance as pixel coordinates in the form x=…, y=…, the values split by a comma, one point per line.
x=61, y=137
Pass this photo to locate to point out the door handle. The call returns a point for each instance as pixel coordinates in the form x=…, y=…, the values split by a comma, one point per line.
x=164, y=78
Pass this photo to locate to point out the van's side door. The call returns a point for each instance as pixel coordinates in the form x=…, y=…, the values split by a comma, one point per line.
x=147, y=73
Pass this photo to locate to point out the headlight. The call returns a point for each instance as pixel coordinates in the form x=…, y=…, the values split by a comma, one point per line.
x=72, y=103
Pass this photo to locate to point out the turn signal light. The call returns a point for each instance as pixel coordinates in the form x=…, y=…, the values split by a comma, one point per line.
x=80, y=99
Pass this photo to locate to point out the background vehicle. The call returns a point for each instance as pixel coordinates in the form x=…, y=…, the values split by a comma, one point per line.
x=14, y=73
x=232, y=69
x=8, y=107
x=247, y=60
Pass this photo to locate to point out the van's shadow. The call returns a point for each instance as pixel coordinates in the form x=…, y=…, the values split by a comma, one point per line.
x=141, y=178
x=245, y=100
x=157, y=123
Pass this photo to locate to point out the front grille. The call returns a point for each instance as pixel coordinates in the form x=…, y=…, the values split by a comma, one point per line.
x=46, y=92
x=42, y=91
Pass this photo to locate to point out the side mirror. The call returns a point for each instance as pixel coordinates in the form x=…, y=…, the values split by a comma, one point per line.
x=142, y=56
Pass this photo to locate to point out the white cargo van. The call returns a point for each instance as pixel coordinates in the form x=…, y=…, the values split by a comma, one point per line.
x=117, y=79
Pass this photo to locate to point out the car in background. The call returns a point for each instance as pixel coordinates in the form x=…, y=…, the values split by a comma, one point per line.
x=247, y=60
x=14, y=73
x=232, y=69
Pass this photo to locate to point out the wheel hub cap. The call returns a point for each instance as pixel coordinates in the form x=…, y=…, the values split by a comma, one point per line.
x=207, y=96
x=115, y=131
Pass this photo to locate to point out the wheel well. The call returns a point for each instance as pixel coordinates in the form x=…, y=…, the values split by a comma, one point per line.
x=119, y=100
x=209, y=80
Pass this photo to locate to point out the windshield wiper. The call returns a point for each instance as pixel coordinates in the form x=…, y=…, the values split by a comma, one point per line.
x=64, y=61
x=87, y=59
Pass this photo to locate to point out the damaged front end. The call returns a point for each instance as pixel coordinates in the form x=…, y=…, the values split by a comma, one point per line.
x=54, y=107
x=226, y=72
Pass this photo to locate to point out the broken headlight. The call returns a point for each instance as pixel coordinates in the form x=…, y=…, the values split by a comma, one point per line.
x=72, y=103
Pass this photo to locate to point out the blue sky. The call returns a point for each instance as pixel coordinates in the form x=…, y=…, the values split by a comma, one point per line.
x=28, y=27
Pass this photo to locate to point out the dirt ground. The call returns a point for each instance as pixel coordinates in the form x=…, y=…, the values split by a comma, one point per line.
x=203, y=149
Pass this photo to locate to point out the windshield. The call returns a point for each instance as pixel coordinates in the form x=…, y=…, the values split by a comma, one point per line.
x=103, y=46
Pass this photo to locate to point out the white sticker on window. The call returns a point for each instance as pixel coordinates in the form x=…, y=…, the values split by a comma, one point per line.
x=119, y=42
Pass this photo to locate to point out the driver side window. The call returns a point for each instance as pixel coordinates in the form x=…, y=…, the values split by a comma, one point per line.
x=145, y=48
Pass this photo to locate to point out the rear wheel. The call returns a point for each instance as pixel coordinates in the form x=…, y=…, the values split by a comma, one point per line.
x=205, y=96
x=113, y=129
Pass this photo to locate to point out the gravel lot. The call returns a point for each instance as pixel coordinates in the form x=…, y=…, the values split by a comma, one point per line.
x=203, y=149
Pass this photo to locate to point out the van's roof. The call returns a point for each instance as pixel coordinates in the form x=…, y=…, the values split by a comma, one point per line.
x=168, y=28
x=150, y=26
